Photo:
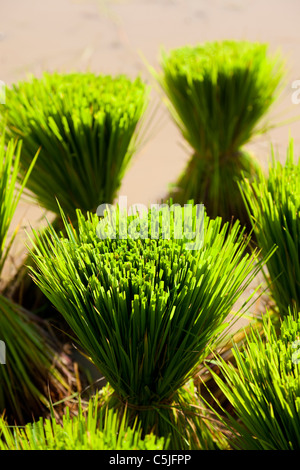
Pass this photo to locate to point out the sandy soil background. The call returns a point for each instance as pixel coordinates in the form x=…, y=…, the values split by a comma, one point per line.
x=107, y=36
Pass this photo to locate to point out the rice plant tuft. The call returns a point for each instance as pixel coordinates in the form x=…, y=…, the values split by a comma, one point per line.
x=264, y=387
x=145, y=309
x=218, y=95
x=86, y=128
x=273, y=204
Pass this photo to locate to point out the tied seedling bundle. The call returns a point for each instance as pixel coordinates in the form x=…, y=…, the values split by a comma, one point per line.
x=146, y=310
x=273, y=203
x=86, y=128
x=264, y=387
x=218, y=93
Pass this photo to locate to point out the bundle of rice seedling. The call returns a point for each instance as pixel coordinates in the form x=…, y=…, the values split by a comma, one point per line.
x=264, y=388
x=218, y=92
x=273, y=203
x=146, y=308
x=86, y=129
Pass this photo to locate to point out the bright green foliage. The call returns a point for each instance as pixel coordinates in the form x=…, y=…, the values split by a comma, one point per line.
x=218, y=93
x=9, y=192
x=264, y=388
x=273, y=203
x=86, y=128
x=145, y=310
x=29, y=356
x=91, y=429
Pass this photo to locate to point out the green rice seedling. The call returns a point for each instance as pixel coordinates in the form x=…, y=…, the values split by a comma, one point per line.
x=86, y=128
x=145, y=308
x=27, y=376
x=218, y=92
x=264, y=387
x=90, y=429
x=9, y=193
x=273, y=203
